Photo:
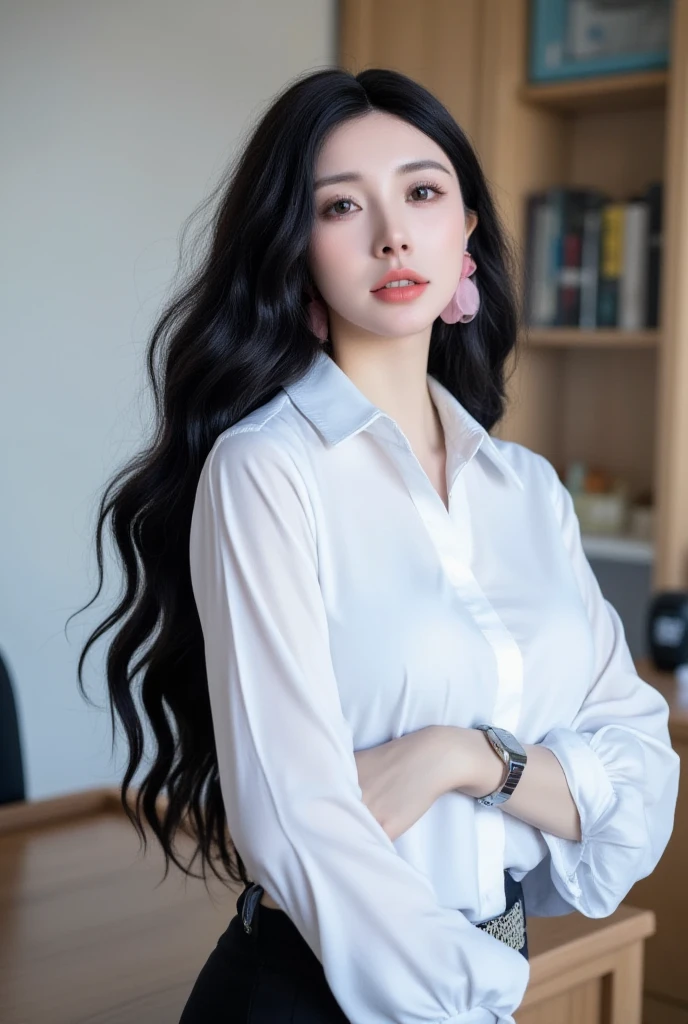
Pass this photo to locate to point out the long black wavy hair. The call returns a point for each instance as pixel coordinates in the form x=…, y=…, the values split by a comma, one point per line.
x=224, y=345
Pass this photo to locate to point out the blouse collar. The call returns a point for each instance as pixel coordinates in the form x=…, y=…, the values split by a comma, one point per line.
x=338, y=409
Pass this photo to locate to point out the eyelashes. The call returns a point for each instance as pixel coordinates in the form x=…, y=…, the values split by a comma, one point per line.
x=431, y=185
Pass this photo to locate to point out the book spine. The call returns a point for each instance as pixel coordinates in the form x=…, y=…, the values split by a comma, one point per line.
x=634, y=279
x=543, y=229
x=653, y=197
x=569, y=282
x=611, y=264
x=556, y=198
x=532, y=255
x=590, y=267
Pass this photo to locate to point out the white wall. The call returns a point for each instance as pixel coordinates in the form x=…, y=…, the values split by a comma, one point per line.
x=115, y=120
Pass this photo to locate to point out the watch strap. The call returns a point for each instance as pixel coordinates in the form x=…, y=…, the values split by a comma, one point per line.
x=510, y=751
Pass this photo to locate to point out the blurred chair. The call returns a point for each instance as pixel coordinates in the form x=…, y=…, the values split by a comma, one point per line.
x=11, y=763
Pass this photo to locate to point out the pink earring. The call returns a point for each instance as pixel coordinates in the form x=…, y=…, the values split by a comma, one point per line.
x=317, y=318
x=465, y=301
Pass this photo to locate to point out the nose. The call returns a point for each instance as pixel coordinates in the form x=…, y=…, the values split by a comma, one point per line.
x=392, y=240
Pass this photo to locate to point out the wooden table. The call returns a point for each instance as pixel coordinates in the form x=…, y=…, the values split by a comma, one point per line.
x=665, y=891
x=87, y=938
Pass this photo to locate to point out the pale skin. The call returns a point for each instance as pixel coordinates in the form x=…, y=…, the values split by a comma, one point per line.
x=387, y=216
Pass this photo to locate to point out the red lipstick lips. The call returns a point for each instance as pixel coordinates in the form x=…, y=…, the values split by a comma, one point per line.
x=397, y=293
x=403, y=274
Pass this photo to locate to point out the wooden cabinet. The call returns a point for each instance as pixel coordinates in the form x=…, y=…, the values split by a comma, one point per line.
x=607, y=397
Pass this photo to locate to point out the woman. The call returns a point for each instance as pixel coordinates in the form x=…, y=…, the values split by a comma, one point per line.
x=375, y=651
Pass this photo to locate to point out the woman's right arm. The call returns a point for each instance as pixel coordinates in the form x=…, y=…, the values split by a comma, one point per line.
x=288, y=774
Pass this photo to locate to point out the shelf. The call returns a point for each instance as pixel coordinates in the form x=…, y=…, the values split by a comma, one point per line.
x=576, y=337
x=601, y=93
x=619, y=549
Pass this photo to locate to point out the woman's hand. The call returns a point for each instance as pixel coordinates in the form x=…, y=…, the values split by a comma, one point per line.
x=402, y=779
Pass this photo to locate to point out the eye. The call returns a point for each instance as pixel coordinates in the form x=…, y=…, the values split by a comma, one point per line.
x=428, y=186
x=421, y=186
x=338, y=202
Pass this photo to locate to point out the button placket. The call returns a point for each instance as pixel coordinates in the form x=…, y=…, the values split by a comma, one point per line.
x=454, y=555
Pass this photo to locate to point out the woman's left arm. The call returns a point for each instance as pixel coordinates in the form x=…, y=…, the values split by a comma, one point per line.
x=620, y=770
x=542, y=797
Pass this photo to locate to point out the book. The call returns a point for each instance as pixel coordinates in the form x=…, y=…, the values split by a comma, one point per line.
x=542, y=304
x=532, y=256
x=633, y=290
x=554, y=249
x=654, y=198
x=590, y=266
x=569, y=264
x=591, y=261
x=577, y=204
x=611, y=264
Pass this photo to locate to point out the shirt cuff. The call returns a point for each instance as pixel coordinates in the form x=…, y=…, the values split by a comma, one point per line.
x=592, y=794
x=478, y=1015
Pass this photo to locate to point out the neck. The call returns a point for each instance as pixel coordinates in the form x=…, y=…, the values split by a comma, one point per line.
x=393, y=376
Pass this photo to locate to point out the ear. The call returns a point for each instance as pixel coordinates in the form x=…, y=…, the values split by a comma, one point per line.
x=471, y=223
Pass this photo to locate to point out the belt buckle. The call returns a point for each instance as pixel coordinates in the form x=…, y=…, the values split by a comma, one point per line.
x=509, y=927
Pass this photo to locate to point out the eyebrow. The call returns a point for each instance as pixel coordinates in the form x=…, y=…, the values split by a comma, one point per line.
x=414, y=165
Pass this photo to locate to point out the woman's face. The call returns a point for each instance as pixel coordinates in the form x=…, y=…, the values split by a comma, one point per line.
x=385, y=216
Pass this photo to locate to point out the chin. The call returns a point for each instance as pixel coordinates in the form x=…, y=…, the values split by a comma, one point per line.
x=403, y=327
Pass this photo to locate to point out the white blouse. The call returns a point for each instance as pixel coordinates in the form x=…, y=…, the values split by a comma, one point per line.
x=343, y=606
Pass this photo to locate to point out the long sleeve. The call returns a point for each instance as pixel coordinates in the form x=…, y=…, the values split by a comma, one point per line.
x=617, y=758
x=390, y=951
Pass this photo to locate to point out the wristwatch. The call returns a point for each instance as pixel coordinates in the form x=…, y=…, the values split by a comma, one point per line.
x=512, y=754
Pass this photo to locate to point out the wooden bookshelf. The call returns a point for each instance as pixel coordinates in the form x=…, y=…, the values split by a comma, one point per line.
x=606, y=396
x=601, y=93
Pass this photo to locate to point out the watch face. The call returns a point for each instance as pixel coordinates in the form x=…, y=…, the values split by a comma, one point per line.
x=512, y=753
x=509, y=741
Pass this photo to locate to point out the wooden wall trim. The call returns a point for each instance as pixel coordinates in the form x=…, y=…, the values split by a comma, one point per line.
x=23, y=814
x=671, y=476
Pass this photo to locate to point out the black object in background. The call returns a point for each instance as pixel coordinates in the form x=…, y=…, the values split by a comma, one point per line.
x=668, y=629
x=11, y=765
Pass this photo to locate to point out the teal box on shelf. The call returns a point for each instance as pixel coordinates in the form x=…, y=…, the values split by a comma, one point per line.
x=580, y=38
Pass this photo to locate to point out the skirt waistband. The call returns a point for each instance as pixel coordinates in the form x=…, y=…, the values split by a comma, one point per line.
x=273, y=929
x=510, y=926
x=275, y=936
